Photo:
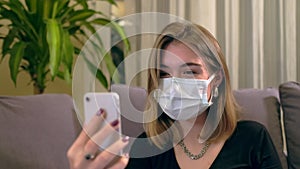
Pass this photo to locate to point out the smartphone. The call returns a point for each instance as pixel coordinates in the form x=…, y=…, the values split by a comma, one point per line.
x=108, y=101
x=126, y=103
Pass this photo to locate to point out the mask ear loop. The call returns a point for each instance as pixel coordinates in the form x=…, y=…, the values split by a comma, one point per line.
x=208, y=82
x=216, y=89
x=211, y=77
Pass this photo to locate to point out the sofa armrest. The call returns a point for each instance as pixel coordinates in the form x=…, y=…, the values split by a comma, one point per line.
x=263, y=106
x=290, y=100
x=36, y=131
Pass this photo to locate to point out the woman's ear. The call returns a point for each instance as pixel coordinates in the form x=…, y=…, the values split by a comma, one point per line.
x=216, y=82
x=218, y=79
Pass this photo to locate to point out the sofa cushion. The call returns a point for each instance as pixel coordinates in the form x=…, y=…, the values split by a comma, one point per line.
x=36, y=131
x=290, y=100
x=262, y=105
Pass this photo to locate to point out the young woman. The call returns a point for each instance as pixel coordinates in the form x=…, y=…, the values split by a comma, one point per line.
x=191, y=119
x=194, y=92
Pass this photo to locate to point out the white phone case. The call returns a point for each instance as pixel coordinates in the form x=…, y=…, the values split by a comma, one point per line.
x=108, y=101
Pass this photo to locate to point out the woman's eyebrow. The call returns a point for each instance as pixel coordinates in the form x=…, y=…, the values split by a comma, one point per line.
x=190, y=64
x=163, y=66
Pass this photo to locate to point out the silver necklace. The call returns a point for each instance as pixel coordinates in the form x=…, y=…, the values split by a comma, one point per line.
x=191, y=155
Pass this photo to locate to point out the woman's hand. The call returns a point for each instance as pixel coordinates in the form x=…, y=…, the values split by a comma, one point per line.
x=85, y=153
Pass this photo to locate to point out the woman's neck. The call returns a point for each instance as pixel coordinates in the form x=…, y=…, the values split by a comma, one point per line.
x=193, y=127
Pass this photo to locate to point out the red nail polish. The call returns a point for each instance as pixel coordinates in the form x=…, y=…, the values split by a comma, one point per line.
x=114, y=123
x=100, y=112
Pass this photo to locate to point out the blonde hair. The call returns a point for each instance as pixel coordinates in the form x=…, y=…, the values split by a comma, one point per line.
x=160, y=128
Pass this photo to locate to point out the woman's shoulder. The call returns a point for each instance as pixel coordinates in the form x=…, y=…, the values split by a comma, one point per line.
x=143, y=147
x=249, y=130
x=250, y=125
x=250, y=141
x=142, y=135
x=145, y=153
x=247, y=134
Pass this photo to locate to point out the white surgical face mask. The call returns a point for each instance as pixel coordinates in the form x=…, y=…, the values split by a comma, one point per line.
x=183, y=99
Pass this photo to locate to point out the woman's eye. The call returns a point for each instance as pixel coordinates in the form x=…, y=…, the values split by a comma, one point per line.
x=190, y=72
x=163, y=74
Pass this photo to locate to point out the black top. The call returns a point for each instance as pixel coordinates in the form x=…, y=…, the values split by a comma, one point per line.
x=250, y=146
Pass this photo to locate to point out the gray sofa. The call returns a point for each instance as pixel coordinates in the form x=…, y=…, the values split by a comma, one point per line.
x=36, y=131
x=279, y=111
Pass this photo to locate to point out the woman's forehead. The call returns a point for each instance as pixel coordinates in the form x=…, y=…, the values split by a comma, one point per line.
x=179, y=53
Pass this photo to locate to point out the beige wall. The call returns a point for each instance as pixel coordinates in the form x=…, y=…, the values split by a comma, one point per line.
x=24, y=87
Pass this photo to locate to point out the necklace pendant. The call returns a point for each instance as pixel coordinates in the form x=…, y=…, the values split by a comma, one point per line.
x=191, y=155
x=193, y=158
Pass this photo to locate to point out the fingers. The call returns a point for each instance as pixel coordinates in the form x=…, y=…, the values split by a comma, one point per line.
x=85, y=152
x=95, y=123
x=105, y=157
x=122, y=163
x=90, y=128
x=108, y=130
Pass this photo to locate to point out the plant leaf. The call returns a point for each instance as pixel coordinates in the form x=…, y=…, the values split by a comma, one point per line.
x=41, y=72
x=112, y=2
x=89, y=26
x=123, y=36
x=111, y=67
x=18, y=8
x=68, y=50
x=83, y=3
x=54, y=42
x=47, y=8
x=107, y=58
x=80, y=15
x=67, y=75
x=62, y=5
x=99, y=74
x=8, y=14
x=101, y=21
x=16, y=55
x=8, y=40
x=54, y=9
x=60, y=75
x=117, y=28
x=31, y=5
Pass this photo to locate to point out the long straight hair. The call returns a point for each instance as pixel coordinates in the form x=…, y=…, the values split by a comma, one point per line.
x=159, y=127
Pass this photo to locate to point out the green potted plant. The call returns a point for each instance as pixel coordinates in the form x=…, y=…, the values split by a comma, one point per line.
x=44, y=36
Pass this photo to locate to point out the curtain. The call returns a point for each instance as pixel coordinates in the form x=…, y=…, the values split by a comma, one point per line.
x=260, y=38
